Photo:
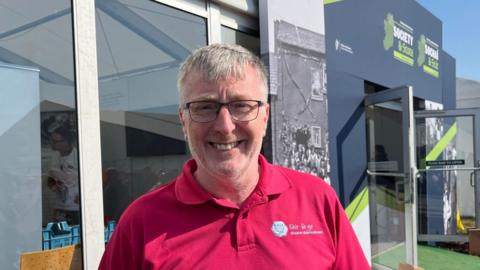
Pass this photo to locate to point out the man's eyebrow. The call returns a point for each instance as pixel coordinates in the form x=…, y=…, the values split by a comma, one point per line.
x=217, y=99
x=204, y=97
x=239, y=97
x=210, y=98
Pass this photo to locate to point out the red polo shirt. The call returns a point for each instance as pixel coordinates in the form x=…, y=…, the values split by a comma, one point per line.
x=291, y=220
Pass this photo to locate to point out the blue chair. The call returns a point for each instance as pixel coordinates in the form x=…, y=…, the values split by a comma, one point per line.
x=60, y=234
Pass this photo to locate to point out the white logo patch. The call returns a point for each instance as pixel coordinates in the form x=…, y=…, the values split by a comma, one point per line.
x=279, y=228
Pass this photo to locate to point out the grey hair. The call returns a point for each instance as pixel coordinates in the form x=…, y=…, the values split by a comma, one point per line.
x=218, y=62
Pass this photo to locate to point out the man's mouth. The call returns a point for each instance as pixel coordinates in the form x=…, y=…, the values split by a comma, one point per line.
x=225, y=146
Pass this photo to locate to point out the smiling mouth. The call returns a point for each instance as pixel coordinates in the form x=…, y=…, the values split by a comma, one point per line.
x=225, y=146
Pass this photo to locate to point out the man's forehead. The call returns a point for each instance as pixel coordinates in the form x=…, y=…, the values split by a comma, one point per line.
x=214, y=96
x=218, y=77
x=197, y=86
x=194, y=78
x=55, y=136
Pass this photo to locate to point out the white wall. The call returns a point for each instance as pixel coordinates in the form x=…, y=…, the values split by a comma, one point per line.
x=20, y=164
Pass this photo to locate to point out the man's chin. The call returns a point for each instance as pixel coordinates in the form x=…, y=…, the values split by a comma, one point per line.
x=225, y=168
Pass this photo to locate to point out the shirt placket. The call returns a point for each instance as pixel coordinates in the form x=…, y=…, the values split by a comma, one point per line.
x=245, y=237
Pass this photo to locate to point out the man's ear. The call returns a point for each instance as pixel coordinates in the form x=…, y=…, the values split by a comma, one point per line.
x=267, y=113
x=181, y=116
x=265, y=118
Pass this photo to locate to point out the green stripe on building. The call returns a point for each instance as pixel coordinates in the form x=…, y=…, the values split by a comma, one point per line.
x=442, y=143
x=326, y=2
x=356, y=207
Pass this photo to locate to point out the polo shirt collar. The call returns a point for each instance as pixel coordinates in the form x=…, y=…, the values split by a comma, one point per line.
x=188, y=191
x=271, y=181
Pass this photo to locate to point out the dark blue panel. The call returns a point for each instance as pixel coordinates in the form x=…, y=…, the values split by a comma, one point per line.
x=358, y=49
x=356, y=31
x=449, y=81
x=346, y=120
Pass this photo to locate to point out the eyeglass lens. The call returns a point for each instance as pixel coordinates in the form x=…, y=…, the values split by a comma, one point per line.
x=206, y=111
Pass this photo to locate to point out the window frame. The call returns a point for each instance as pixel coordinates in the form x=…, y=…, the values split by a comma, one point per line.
x=88, y=110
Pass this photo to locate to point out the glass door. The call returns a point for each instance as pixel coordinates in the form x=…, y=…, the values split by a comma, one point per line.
x=391, y=180
x=448, y=187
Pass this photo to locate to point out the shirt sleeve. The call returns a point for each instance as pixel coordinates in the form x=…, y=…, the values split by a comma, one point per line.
x=349, y=253
x=121, y=251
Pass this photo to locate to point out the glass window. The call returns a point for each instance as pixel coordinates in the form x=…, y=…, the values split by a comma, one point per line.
x=248, y=41
x=39, y=183
x=141, y=45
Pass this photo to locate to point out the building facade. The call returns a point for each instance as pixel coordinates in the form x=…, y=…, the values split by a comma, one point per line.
x=88, y=121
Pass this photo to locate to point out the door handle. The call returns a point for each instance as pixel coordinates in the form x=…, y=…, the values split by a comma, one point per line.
x=472, y=174
x=472, y=178
x=397, y=192
x=406, y=184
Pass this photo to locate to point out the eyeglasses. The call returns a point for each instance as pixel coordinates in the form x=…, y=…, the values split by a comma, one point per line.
x=54, y=141
x=207, y=111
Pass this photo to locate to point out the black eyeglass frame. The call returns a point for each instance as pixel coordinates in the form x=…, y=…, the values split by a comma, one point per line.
x=222, y=104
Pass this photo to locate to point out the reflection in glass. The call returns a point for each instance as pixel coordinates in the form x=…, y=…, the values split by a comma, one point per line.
x=445, y=196
x=59, y=145
x=386, y=190
x=141, y=45
x=232, y=36
x=38, y=158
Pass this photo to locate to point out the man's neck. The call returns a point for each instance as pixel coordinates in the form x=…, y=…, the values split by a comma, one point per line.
x=234, y=189
x=66, y=152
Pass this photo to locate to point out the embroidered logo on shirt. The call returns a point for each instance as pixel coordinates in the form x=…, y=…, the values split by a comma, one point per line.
x=279, y=229
x=304, y=229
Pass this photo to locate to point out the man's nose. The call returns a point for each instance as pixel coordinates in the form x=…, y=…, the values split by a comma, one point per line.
x=224, y=122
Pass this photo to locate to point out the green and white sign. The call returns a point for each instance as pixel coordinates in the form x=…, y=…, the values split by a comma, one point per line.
x=399, y=36
x=427, y=58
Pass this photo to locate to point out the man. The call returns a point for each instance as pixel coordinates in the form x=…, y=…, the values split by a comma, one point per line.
x=63, y=178
x=230, y=208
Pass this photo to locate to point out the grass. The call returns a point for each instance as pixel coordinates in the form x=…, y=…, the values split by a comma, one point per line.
x=430, y=258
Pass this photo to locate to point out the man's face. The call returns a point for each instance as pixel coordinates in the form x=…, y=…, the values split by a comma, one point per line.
x=224, y=147
x=59, y=143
